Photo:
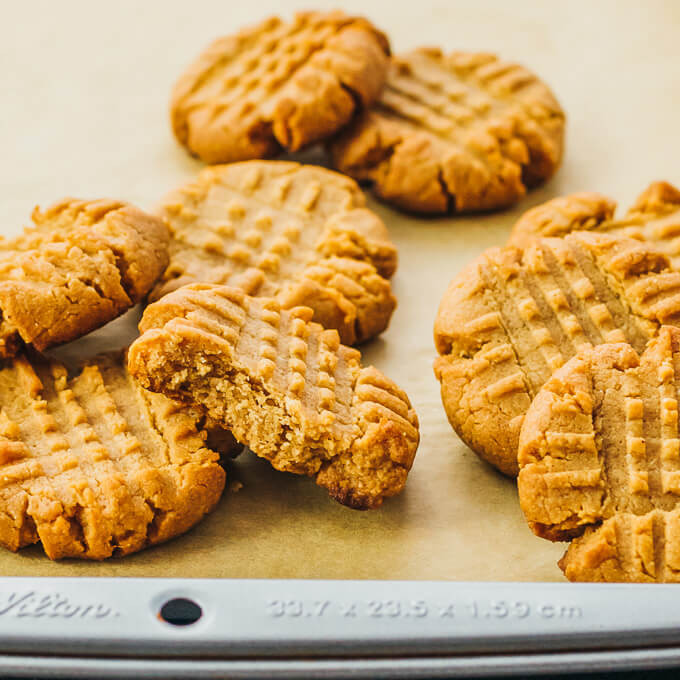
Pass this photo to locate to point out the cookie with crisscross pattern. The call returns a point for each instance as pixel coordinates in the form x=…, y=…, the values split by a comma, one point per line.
x=93, y=465
x=80, y=265
x=297, y=232
x=278, y=85
x=599, y=458
x=458, y=132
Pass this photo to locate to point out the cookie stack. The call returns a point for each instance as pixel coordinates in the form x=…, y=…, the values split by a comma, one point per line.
x=560, y=360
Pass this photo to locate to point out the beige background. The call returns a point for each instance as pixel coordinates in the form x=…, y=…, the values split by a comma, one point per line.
x=83, y=111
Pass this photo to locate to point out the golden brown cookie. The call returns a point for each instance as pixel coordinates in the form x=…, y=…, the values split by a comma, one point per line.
x=599, y=462
x=283, y=385
x=278, y=85
x=454, y=133
x=655, y=217
x=80, y=265
x=95, y=466
x=512, y=318
x=297, y=232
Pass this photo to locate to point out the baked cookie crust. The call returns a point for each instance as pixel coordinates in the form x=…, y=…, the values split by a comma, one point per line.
x=278, y=85
x=297, y=232
x=457, y=133
x=654, y=217
x=94, y=466
x=600, y=462
x=80, y=265
x=284, y=387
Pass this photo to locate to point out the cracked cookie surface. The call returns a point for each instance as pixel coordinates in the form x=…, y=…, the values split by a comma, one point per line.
x=94, y=466
x=80, y=265
x=283, y=385
x=461, y=132
x=297, y=232
x=512, y=318
x=599, y=459
x=654, y=217
x=278, y=85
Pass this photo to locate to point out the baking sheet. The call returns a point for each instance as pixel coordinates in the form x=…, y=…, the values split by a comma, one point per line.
x=83, y=112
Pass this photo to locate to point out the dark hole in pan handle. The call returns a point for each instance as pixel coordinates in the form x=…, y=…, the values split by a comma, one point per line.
x=180, y=611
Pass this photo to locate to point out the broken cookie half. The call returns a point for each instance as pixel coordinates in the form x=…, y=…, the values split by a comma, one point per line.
x=80, y=265
x=283, y=386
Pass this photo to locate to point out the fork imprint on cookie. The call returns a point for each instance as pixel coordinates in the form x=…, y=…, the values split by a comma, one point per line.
x=297, y=232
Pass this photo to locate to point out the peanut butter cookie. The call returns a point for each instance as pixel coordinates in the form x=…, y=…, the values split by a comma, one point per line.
x=297, y=232
x=95, y=466
x=278, y=85
x=599, y=459
x=283, y=386
x=80, y=265
x=512, y=318
x=654, y=217
x=459, y=133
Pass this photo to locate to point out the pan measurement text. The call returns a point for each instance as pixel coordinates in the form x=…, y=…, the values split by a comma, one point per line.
x=510, y=610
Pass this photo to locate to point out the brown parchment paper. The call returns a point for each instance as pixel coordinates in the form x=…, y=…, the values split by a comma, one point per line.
x=83, y=112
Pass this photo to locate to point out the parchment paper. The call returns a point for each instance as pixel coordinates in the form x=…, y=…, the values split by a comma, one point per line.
x=83, y=111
